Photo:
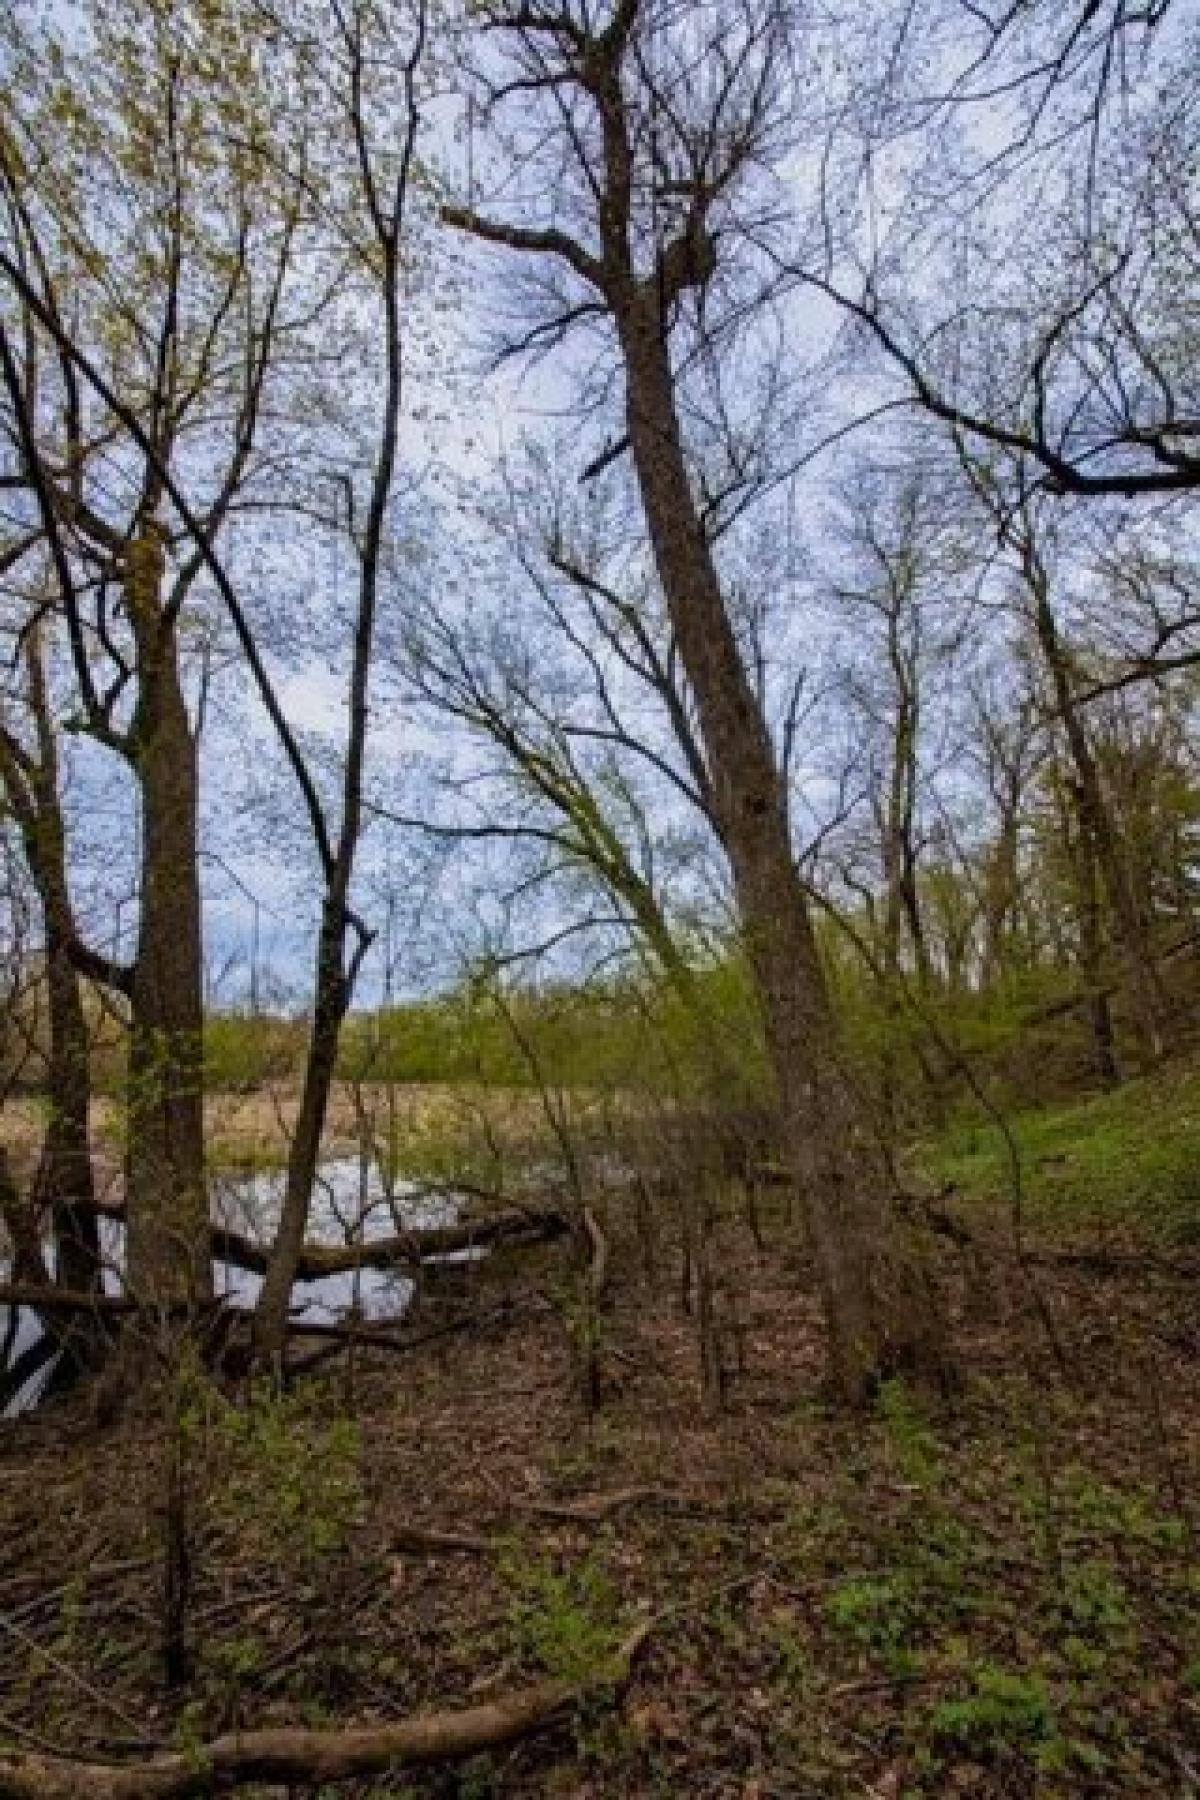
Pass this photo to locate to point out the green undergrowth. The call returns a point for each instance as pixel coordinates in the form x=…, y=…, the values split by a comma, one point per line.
x=1126, y=1159
x=1008, y=1619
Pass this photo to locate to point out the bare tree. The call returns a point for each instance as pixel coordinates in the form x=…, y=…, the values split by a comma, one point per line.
x=656, y=122
x=352, y=201
x=1025, y=530
x=1023, y=237
x=376, y=62
x=143, y=269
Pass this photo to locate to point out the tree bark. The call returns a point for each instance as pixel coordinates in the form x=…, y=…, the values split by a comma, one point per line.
x=65, y=1186
x=296, y=1756
x=166, y=1195
x=878, y=1307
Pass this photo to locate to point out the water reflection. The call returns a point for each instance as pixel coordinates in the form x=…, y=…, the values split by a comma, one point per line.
x=352, y=1204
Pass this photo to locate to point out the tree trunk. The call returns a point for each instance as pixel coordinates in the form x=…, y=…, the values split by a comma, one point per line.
x=166, y=1195
x=1096, y=829
x=329, y=1010
x=1001, y=887
x=1081, y=853
x=901, y=850
x=878, y=1308
x=64, y=1189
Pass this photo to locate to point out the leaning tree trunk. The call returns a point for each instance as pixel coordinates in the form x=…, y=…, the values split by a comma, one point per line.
x=167, y=1202
x=878, y=1307
x=329, y=1010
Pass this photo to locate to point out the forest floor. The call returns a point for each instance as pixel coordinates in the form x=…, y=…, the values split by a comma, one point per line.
x=994, y=1595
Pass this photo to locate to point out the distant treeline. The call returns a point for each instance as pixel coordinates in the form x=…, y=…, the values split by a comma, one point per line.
x=1026, y=1035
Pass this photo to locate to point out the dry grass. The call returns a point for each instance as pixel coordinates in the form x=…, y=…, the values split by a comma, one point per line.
x=430, y=1123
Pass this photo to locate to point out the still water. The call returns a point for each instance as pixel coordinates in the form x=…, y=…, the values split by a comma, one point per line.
x=351, y=1205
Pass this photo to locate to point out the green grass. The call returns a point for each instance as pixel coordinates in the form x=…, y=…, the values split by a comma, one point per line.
x=1128, y=1160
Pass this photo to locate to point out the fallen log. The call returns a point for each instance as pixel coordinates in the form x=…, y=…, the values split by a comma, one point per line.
x=407, y=1249
x=300, y=1756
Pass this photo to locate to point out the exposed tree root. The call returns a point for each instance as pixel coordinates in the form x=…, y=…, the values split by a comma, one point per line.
x=288, y=1755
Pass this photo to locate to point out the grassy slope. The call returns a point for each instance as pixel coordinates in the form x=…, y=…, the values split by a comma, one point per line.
x=1125, y=1162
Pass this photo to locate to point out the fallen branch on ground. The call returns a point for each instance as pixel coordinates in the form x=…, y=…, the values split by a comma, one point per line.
x=287, y=1755
x=592, y=1509
x=417, y=1538
x=405, y=1250
x=595, y=1508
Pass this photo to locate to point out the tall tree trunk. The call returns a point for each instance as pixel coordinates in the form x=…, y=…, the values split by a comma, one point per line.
x=878, y=1307
x=901, y=899
x=890, y=969
x=167, y=1200
x=901, y=852
x=336, y=973
x=1092, y=942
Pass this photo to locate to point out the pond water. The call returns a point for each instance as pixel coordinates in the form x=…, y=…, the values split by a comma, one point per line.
x=351, y=1204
